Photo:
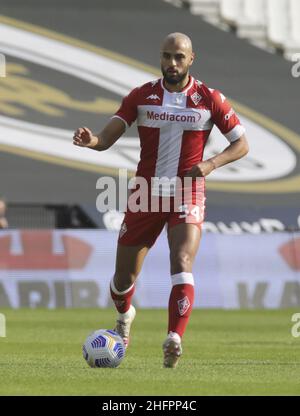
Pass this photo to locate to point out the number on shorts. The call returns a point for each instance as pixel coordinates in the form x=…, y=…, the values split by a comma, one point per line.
x=195, y=212
x=184, y=209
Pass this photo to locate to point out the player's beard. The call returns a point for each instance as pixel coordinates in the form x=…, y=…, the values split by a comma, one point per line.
x=173, y=79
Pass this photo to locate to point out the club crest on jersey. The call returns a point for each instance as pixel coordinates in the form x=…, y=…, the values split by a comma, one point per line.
x=153, y=97
x=183, y=305
x=196, y=98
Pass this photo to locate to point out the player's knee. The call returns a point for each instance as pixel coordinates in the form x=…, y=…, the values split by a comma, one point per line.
x=181, y=261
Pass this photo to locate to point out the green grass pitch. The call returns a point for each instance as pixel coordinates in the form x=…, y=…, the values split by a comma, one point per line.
x=224, y=353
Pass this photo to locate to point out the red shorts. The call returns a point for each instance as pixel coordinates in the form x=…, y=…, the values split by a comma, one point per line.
x=144, y=227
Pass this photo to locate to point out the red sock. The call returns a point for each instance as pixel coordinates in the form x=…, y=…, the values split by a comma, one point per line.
x=122, y=300
x=180, y=307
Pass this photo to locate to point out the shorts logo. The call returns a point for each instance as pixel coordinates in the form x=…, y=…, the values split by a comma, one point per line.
x=123, y=229
x=196, y=98
x=183, y=305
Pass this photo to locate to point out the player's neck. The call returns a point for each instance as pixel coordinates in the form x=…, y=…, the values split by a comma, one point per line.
x=177, y=87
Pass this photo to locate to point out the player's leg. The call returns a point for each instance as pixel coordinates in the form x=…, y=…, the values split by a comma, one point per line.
x=129, y=262
x=184, y=242
x=138, y=233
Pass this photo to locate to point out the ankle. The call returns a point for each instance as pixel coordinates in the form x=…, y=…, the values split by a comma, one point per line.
x=174, y=336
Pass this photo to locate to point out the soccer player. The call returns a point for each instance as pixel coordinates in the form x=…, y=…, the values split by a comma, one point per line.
x=175, y=115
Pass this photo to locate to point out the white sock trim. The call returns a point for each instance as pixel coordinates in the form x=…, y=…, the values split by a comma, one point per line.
x=116, y=291
x=175, y=336
x=182, y=278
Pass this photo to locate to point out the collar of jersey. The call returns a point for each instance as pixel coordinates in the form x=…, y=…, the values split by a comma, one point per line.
x=184, y=91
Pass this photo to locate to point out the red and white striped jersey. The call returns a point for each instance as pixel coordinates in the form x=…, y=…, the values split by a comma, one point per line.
x=174, y=126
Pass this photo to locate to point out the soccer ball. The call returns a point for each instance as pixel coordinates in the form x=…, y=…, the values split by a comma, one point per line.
x=103, y=348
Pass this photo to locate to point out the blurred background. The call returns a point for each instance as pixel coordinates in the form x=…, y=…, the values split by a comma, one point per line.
x=67, y=63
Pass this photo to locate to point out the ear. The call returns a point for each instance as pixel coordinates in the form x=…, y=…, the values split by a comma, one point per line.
x=192, y=58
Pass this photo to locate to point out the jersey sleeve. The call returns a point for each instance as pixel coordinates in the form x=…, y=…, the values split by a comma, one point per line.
x=128, y=109
x=225, y=118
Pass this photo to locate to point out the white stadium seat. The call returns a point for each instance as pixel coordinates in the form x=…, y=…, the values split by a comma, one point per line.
x=295, y=19
x=207, y=8
x=292, y=42
x=277, y=22
x=252, y=22
x=230, y=11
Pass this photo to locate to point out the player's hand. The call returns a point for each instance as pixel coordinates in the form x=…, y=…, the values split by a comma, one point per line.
x=83, y=137
x=202, y=169
x=3, y=222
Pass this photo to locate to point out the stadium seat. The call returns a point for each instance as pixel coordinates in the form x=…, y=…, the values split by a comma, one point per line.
x=252, y=22
x=292, y=42
x=204, y=7
x=277, y=22
x=231, y=11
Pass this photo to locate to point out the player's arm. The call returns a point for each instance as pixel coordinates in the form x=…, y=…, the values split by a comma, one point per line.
x=229, y=124
x=236, y=150
x=83, y=137
x=123, y=118
x=3, y=222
